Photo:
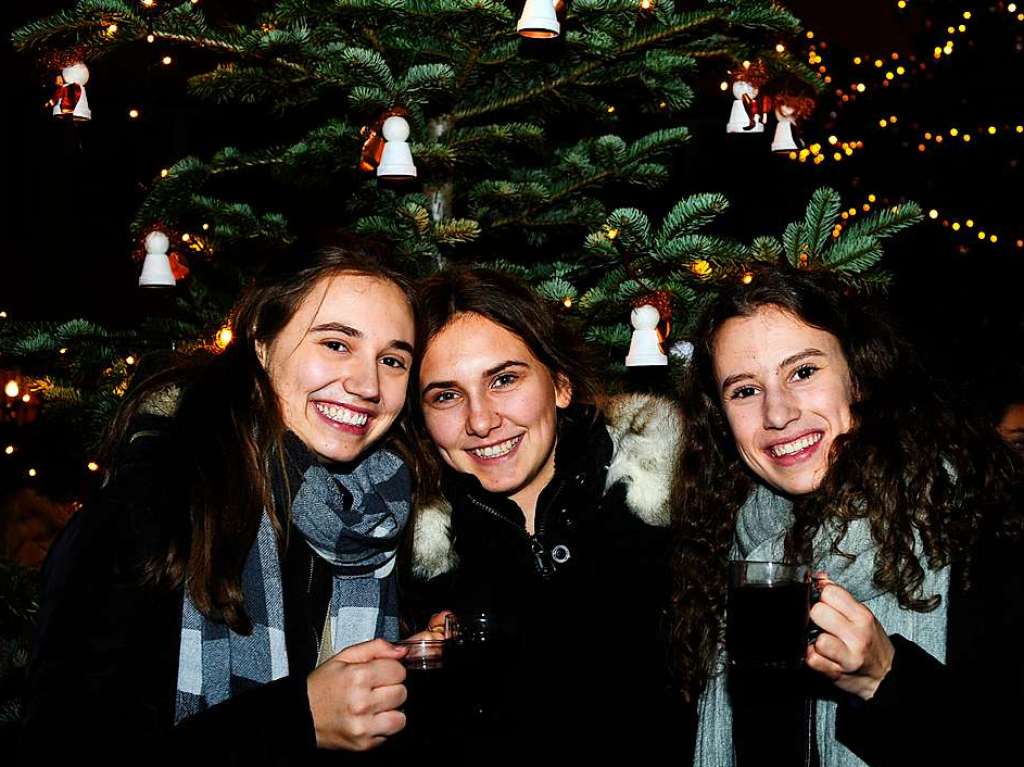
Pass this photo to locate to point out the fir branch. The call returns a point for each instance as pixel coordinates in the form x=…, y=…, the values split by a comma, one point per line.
x=766, y=249
x=691, y=213
x=887, y=221
x=633, y=226
x=822, y=214
x=854, y=254
x=684, y=23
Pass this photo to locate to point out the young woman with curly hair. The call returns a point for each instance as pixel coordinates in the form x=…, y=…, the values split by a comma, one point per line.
x=812, y=436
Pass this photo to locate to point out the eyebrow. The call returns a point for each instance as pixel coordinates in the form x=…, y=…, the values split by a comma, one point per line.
x=487, y=373
x=734, y=379
x=351, y=332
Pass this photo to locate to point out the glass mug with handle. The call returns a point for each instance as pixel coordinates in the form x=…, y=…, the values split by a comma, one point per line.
x=476, y=652
x=767, y=615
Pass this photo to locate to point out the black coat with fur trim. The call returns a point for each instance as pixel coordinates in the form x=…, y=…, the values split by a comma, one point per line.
x=581, y=604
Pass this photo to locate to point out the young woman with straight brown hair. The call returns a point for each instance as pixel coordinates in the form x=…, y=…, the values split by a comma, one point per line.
x=549, y=514
x=230, y=594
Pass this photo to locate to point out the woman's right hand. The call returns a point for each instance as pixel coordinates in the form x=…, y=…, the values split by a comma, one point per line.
x=355, y=695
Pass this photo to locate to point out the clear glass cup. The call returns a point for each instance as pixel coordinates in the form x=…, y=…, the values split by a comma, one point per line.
x=767, y=615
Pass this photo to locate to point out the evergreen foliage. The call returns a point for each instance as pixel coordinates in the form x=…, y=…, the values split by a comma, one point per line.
x=522, y=153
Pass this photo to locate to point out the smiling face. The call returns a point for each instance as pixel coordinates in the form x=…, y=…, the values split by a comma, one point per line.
x=340, y=367
x=786, y=391
x=491, y=407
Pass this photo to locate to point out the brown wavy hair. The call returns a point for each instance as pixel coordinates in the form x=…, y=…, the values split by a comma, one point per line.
x=227, y=431
x=911, y=464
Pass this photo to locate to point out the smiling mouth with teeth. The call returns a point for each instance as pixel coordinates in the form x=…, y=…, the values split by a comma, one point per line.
x=789, y=448
x=342, y=415
x=497, y=451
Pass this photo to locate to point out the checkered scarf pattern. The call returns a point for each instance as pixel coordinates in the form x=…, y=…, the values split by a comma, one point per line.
x=352, y=517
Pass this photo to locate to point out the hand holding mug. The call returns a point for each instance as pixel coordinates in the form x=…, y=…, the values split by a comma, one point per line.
x=852, y=649
x=354, y=697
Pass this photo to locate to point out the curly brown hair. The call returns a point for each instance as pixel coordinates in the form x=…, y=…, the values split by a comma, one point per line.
x=911, y=464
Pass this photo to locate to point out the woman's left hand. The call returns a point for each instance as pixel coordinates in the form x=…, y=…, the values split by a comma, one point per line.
x=852, y=649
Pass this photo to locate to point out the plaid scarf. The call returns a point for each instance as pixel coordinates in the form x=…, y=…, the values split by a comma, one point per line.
x=352, y=517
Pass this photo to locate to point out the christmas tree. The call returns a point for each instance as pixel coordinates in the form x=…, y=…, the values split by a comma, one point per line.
x=542, y=149
x=525, y=149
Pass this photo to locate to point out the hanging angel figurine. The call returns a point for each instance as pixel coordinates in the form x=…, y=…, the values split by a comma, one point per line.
x=789, y=111
x=749, y=109
x=70, y=101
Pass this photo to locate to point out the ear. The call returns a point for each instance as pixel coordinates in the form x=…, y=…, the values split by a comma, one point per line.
x=262, y=353
x=563, y=391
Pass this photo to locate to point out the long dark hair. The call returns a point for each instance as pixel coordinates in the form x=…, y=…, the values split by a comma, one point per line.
x=506, y=301
x=227, y=428
x=912, y=465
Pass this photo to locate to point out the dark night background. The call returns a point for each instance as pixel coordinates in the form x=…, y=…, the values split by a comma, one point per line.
x=71, y=191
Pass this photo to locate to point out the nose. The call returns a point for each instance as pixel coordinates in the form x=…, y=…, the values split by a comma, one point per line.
x=481, y=418
x=779, y=409
x=364, y=382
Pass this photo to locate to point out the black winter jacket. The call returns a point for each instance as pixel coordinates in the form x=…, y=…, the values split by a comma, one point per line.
x=967, y=710
x=105, y=658
x=583, y=668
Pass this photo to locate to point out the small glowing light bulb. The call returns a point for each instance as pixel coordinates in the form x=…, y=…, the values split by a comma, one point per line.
x=224, y=337
x=11, y=389
x=92, y=466
x=32, y=472
x=933, y=214
x=9, y=450
x=133, y=113
x=166, y=60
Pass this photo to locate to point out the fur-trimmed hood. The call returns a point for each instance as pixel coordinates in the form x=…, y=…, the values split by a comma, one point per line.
x=646, y=433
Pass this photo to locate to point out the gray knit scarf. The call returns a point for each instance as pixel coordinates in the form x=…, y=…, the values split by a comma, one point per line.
x=352, y=517
x=760, y=533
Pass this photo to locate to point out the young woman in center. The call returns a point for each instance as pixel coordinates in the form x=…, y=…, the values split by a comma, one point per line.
x=813, y=437
x=550, y=516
